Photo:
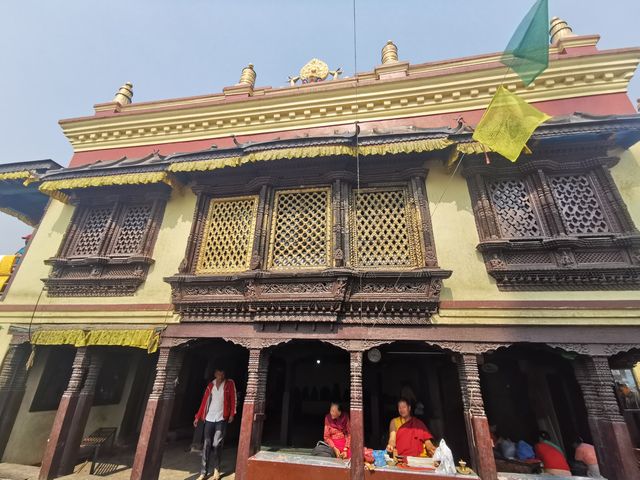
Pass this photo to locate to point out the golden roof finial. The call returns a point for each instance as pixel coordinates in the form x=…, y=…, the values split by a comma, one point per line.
x=124, y=95
x=559, y=29
x=248, y=76
x=389, y=53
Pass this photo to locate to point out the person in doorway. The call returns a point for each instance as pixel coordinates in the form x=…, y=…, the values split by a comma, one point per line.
x=409, y=436
x=217, y=409
x=552, y=456
x=586, y=453
x=336, y=431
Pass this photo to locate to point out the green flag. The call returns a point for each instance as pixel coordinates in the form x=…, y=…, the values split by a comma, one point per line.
x=528, y=51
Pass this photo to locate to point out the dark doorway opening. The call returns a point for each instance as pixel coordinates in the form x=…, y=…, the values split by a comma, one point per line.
x=428, y=378
x=304, y=378
x=528, y=388
x=200, y=361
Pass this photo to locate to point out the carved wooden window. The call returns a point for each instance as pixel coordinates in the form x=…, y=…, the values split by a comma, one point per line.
x=579, y=206
x=554, y=225
x=130, y=224
x=228, y=235
x=301, y=229
x=92, y=231
x=107, y=248
x=515, y=212
x=384, y=229
x=134, y=223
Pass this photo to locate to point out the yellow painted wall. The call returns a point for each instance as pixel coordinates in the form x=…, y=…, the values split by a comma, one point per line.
x=168, y=253
x=31, y=430
x=456, y=237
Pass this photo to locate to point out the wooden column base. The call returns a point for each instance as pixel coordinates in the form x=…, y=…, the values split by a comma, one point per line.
x=619, y=456
x=483, y=450
x=245, y=446
x=58, y=437
x=150, y=449
x=357, y=445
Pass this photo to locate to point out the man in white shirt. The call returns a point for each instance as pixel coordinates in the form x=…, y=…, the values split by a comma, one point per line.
x=218, y=407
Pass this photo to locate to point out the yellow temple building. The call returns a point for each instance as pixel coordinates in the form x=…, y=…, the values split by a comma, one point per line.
x=334, y=240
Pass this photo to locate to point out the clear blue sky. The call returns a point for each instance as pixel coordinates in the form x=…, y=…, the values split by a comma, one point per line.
x=59, y=58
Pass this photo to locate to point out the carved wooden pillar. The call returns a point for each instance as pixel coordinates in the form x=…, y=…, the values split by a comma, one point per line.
x=590, y=394
x=148, y=459
x=261, y=398
x=65, y=416
x=83, y=408
x=13, y=378
x=613, y=447
x=475, y=418
x=248, y=412
x=357, y=421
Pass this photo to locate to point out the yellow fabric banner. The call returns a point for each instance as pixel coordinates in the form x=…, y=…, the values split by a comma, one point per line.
x=148, y=340
x=507, y=124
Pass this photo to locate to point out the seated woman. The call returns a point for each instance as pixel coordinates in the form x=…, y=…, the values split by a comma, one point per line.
x=552, y=456
x=409, y=436
x=336, y=431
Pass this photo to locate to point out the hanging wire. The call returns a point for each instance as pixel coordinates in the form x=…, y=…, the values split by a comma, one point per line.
x=357, y=133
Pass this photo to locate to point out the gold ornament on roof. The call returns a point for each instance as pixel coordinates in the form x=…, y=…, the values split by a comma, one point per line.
x=559, y=29
x=248, y=75
x=124, y=95
x=389, y=53
x=315, y=71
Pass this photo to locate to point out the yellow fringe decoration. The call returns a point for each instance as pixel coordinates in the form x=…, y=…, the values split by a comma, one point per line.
x=413, y=146
x=148, y=340
x=312, y=152
x=15, y=175
x=203, y=165
x=474, y=148
x=53, y=187
x=18, y=215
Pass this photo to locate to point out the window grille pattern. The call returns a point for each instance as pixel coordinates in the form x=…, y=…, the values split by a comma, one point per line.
x=382, y=229
x=579, y=207
x=300, y=235
x=135, y=223
x=92, y=231
x=228, y=235
x=514, y=210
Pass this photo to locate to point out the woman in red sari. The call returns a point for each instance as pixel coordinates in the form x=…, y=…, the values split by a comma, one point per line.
x=409, y=436
x=336, y=431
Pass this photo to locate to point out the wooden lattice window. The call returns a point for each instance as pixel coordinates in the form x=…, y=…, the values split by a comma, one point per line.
x=134, y=225
x=228, y=235
x=384, y=229
x=301, y=230
x=578, y=204
x=118, y=229
x=515, y=212
x=92, y=231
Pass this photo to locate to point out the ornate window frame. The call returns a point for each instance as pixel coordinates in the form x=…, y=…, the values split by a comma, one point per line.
x=108, y=270
x=558, y=255
x=336, y=291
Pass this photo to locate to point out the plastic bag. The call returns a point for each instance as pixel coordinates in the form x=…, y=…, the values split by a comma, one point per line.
x=524, y=451
x=378, y=458
x=445, y=457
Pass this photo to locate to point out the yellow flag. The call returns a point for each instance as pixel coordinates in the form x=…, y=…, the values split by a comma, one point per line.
x=507, y=124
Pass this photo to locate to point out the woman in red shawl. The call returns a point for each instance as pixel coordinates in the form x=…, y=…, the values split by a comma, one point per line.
x=336, y=431
x=409, y=436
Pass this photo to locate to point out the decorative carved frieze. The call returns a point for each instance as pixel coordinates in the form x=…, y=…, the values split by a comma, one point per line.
x=328, y=296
